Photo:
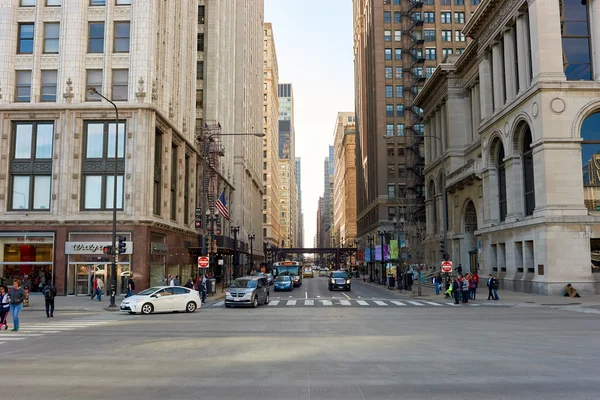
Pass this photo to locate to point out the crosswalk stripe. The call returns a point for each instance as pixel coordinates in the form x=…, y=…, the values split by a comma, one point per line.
x=218, y=304
x=362, y=302
x=326, y=302
x=380, y=303
x=344, y=302
x=273, y=302
x=475, y=305
x=35, y=329
x=20, y=335
x=309, y=302
x=432, y=303
x=452, y=304
x=13, y=338
x=291, y=303
x=414, y=303
x=398, y=303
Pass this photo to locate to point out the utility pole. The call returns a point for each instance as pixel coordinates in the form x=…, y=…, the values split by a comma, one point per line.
x=382, y=241
x=251, y=239
x=235, y=230
x=371, y=239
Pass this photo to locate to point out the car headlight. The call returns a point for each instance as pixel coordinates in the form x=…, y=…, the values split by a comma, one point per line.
x=332, y=280
x=227, y=294
x=347, y=281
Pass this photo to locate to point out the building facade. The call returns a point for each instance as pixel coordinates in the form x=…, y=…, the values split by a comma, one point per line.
x=271, y=222
x=287, y=167
x=58, y=141
x=344, y=186
x=299, y=213
x=515, y=120
x=397, y=45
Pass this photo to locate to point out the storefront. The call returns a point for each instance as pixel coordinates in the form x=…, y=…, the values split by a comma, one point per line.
x=86, y=260
x=28, y=256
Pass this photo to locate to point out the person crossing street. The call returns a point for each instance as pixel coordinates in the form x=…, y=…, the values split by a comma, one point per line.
x=49, y=292
x=4, y=307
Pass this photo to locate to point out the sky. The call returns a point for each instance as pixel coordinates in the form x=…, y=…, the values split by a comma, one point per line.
x=313, y=42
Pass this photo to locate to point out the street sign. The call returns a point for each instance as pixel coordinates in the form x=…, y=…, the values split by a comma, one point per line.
x=203, y=262
x=446, y=266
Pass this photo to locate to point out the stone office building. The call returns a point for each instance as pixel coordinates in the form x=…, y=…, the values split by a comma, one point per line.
x=517, y=121
x=57, y=142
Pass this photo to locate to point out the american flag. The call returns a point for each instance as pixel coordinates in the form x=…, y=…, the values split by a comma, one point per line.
x=221, y=205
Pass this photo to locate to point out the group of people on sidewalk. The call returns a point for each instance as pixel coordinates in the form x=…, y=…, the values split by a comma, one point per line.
x=11, y=301
x=464, y=288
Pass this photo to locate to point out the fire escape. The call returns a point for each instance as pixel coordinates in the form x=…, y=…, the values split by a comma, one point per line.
x=210, y=142
x=414, y=78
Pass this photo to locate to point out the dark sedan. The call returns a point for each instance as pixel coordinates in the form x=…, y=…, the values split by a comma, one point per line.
x=339, y=280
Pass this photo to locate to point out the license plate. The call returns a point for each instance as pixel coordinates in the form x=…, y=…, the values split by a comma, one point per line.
x=237, y=299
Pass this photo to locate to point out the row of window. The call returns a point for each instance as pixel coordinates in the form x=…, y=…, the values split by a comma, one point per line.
x=58, y=3
x=119, y=88
x=389, y=110
x=95, y=37
x=445, y=17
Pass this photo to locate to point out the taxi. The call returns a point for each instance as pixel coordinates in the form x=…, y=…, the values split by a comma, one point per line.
x=307, y=272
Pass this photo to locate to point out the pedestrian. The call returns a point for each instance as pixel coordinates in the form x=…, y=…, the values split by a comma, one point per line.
x=456, y=291
x=130, y=287
x=17, y=297
x=189, y=284
x=49, y=292
x=203, y=289
x=490, y=285
x=99, y=287
x=176, y=282
x=437, y=283
x=171, y=280
x=473, y=287
x=496, y=286
x=459, y=269
x=465, y=290
x=4, y=307
x=409, y=280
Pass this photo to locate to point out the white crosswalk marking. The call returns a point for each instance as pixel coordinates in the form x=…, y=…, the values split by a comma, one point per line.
x=362, y=302
x=452, y=304
x=291, y=303
x=273, y=302
x=309, y=302
x=414, y=303
x=218, y=304
x=398, y=303
x=326, y=302
x=380, y=303
x=344, y=302
x=12, y=338
x=432, y=303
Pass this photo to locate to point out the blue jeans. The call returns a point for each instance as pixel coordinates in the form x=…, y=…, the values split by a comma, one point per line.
x=15, y=309
x=473, y=293
x=437, y=288
x=130, y=293
x=99, y=294
x=203, y=291
x=496, y=294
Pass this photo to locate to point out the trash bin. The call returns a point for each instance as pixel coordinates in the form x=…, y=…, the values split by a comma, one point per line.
x=391, y=282
x=211, y=286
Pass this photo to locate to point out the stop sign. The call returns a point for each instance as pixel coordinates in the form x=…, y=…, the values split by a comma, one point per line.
x=203, y=262
x=446, y=266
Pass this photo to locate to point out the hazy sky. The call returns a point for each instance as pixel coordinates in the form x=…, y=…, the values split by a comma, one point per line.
x=313, y=41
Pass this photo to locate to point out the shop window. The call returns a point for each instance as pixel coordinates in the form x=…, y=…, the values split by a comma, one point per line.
x=27, y=256
x=98, y=165
x=31, y=166
x=574, y=22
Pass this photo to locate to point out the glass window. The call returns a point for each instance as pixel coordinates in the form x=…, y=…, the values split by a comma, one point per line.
x=446, y=17
x=429, y=17
x=446, y=52
x=459, y=17
x=387, y=54
x=528, y=176
x=49, y=85
x=429, y=35
x=459, y=36
x=96, y=37
x=20, y=192
x=23, y=86
x=459, y=2
x=387, y=17
x=388, y=73
x=27, y=3
x=429, y=71
x=391, y=168
x=387, y=35
x=110, y=151
x=397, y=17
x=51, y=3
x=445, y=2
x=25, y=39
x=23, y=141
x=399, y=73
x=389, y=110
x=51, y=37
x=97, y=2
x=428, y=2
x=389, y=93
x=590, y=160
x=400, y=129
x=398, y=35
x=93, y=192
x=401, y=170
x=501, y=181
x=119, y=84
x=41, y=192
x=475, y=2
x=575, y=40
x=122, y=32
x=398, y=54
x=123, y=2
x=389, y=129
x=446, y=36
x=399, y=92
x=110, y=179
x=430, y=53
x=391, y=191
x=95, y=140
x=399, y=110
x=459, y=50
x=390, y=150
x=43, y=141
x=94, y=80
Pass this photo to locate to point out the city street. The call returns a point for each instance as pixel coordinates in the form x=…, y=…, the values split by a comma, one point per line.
x=307, y=353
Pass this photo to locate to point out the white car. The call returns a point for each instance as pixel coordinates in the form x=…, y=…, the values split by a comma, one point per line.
x=162, y=299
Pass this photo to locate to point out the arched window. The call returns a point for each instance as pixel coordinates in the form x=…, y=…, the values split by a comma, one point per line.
x=528, y=178
x=501, y=181
x=590, y=161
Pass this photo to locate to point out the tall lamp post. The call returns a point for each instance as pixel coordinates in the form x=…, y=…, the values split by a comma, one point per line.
x=235, y=230
x=399, y=225
x=113, y=267
x=251, y=239
x=370, y=240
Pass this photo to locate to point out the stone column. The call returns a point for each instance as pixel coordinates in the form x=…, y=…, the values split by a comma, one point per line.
x=438, y=130
x=427, y=127
x=433, y=132
x=498, y=79
x=485, y=86
x=510, y=64
x=523, y=55
x=474, y=111
x=544, y=22
x=594, y=25
x=444, y=129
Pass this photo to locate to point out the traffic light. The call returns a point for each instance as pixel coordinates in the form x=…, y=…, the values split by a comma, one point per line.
x=107, y=250
x=442, y=247
x=122, y=245
x=198, y=214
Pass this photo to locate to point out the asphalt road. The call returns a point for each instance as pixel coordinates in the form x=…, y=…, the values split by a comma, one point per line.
x=307, y=353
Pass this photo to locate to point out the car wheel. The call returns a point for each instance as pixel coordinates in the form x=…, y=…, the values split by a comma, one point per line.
x=255, y=302
x=330, y=289
x=147, y=309
x=349, y=289
x=191, y=307
x=267, y=299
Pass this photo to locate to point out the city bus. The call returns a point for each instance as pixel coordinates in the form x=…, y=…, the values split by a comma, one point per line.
x=291, y=268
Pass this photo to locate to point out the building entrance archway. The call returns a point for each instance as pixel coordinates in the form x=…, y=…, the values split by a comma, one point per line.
x=468, y=247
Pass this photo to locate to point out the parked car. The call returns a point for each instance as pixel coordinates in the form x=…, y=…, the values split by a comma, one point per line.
x=283, y=282
x=339, y=280
x=162, y=299
x=247, y=291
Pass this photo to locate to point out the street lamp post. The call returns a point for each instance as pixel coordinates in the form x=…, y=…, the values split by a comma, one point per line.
x=235, y=230
x=370, y=240
x=251, y=239
x=398, y=225
x=113, y=267
x=382, y=240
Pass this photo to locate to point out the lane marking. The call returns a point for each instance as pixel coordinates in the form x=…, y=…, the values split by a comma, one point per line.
x=290, y=295
x=414, y=303
x=398, y=303
x=291, y=303
x=326, y=302
x=318, y=296
x=344, y=302
x=432, y=303
x=380, y=303
x=309, y=302
x=306, y=295
x=218, y=304
x=348, y=297
x=359, y=297
x=273, y=302
x=362, y=302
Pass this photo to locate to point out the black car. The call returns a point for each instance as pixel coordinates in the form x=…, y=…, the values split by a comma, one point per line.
x=339, y=280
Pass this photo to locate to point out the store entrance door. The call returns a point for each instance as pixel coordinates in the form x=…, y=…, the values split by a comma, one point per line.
x=85, y=277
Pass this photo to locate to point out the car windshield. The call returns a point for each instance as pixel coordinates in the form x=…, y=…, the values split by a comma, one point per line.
x=243, y=283
x=339, y=275
x=283, y=278
x=148, y=292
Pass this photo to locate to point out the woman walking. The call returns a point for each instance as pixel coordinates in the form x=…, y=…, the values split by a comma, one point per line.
x=4, y=307
x=17, y=296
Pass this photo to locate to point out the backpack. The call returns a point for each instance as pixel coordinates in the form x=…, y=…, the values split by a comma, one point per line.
x=47, y=292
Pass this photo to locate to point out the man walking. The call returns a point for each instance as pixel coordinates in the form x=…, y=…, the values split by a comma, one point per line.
x=203, y=288
x=99, y=287
x=49, y=292
x=490, y=285
x=130, y=287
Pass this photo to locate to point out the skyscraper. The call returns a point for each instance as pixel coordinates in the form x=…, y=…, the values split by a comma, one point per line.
x=300, y=213
x=287, y=168
x=344, y=180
